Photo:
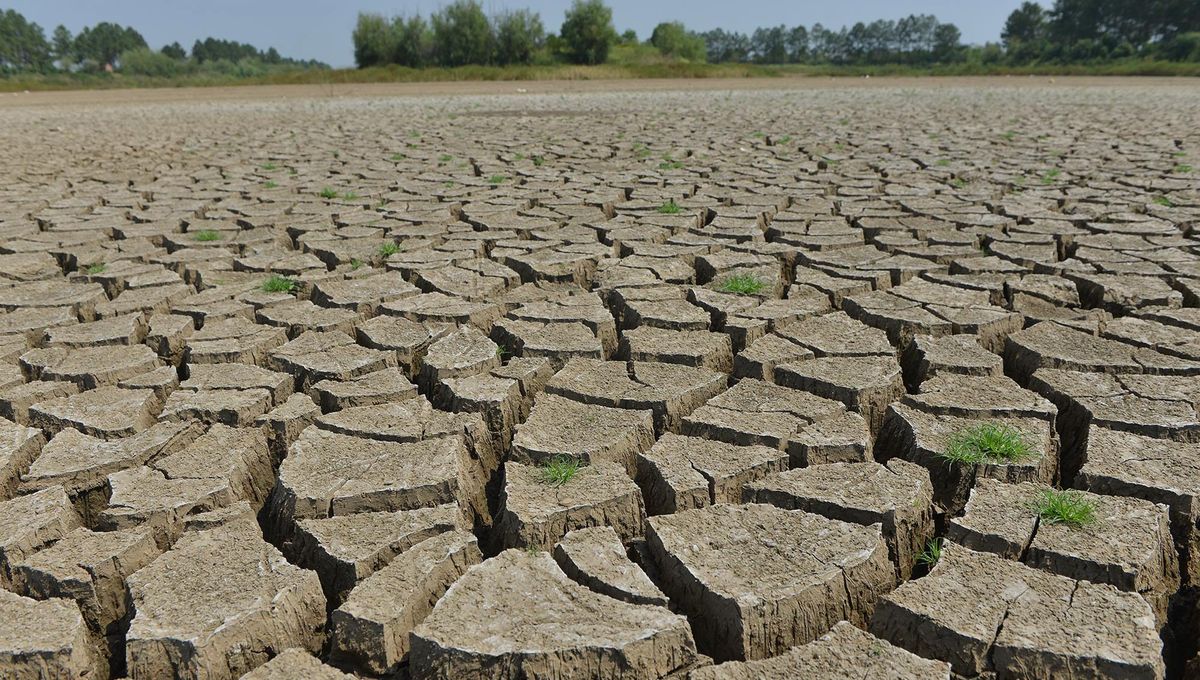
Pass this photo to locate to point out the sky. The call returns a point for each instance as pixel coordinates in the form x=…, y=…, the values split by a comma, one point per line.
x=320, y=29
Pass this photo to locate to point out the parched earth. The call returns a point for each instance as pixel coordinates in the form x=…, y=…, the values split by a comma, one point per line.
x=285, y=376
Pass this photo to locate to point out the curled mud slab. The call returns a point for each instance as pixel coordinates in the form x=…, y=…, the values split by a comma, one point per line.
x=582, y=379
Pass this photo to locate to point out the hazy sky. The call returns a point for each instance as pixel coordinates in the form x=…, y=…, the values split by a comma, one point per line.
x=320, y=29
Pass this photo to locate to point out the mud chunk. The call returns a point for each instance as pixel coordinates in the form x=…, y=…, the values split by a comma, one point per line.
x=90, y=367
x=757, y=412
x=843, y=652
x=679, y=473
x=546, y=625
x=32, y=522
x=285, y=422
x=595, y=558
x=295, y=663
x=1128, y=545
x=46, y=639
x=537, y=514
x=344, y=550
x=898, y=496
x=372, y=627
x=105, y=412
x=19, y=446
x=756, y=580
x=558, y=426
x=700, y=348
x=217, y=604
x=982, y=613
x=236, y=340
x=380, y=387
x=864, y=384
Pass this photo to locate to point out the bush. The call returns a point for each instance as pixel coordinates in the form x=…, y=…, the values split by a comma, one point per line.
x=462, y=34
x=673, y=40
x=146, y=62
x=587, y=32
x=518, y=36
x=374, y=40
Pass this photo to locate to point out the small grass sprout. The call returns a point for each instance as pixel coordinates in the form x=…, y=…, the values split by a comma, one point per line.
x=270, y=184
x=1183, y=168
x=538, y=161
x=743, y=284
x=1065, y=507
x=986, y=443
x=328, y=193
x=497, y=179
x=207, y=235
x=1163, y=201
x=269, y=167
x=355, y=264
x=669, y=208
x=560, y=469
x=278, y=284
x=931, y=554
x=97, y=268
x=389, y=248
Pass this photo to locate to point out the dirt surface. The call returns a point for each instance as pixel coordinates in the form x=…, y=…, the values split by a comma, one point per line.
x=649, y=379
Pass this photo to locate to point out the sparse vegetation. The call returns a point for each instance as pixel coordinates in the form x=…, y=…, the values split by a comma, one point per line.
x=97, y=268
x=278, y=284
x=669, y=208
x=389, y=248
x=1183, y=168
x=538, y=161
x=743, y=284
x=206, y=235
x=931, y=554
x=270, y=184
x=328, y=193
x=497, y=179
x=987, y=443
x=1163, y=201
x=355, y=264
x=269, y=167
x=560, y=469
x=1065, y=507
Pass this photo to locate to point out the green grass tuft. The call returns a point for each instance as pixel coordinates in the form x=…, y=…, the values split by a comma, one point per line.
x=1163, y=201
x=278, y=284
x=207, y=235
x=1183, y=168
x=538, y=161
x=97, y=268
x=269, y=167
x=670, y=165
x=1065, y=507
x=560, y=469
x=497, y=179
x=743, y=284
x=328, y=193
x=931, y=554
x=669, y=208
x=270, y=184
x=986, y=443
x=389, y=248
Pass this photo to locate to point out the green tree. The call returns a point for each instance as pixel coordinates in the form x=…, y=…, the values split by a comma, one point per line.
x=144, y=61
x=23, y=45
x=174, y=51
x=413, y=42
x=462, y=34
x=374, y=40
x=518, y=35
x=673, y=40
x=587, y=32
x=103, y=43
x=947, y=43
x=63, y=46
x=1026, y=24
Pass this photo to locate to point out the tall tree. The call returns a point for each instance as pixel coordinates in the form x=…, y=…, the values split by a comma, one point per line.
x=462, y=34
x=23, y=45
x=518, y=35
x=1026, y=24
x=374, y=40
x=103, y=43
x=672, y=39
x=588, y=32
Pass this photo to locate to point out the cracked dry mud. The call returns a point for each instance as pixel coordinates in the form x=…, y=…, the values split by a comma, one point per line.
x=284, y=375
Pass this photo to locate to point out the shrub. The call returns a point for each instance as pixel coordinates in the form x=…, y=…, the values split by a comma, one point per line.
x=518, y=36
x=587, y=32
x=462, y=34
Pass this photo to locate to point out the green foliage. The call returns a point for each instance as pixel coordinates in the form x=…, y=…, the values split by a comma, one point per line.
x=559, y=470
x=97, y=268
x=328, y=193
x=146, y=62
x=538, y=161
x=497, y=179
x=1163, y=201
x=462, y=34
x=355, y=264
x=986, y=443
x=389, y=248
x=931, y=554
x=278, y=284
x=1065, y=507
x=1182, y=168
x=207, y=235
x=104, y=43
x=519, y=35
x=673, y=40
x=669, y=208
x=587, y=32
x=270, y=184
x=743, y=284
x=174, y=51
x=23, y=45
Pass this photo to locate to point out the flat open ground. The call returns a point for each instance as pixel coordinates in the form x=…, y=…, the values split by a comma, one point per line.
x=774, y=378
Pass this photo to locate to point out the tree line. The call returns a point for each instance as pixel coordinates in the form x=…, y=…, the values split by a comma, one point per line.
x=1070, y=31
x=24, y=48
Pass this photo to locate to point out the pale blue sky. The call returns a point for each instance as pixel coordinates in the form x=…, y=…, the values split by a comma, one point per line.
x=320, y=29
